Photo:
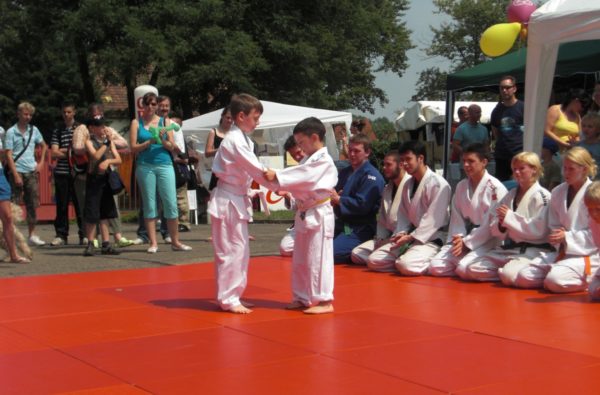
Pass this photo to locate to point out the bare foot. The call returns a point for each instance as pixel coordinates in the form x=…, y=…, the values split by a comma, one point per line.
x=321, y=308
x=295, y=305
x=246, y=304
x=240, y=309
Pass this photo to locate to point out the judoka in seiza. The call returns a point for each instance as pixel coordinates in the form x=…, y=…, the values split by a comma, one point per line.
x=421, y=215
x=311, y=183
x=386, y=222
x=526, y=224
x=469, y=217
x=569, y=273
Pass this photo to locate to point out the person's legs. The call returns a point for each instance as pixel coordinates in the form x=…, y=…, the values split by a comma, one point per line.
x=8, y=230
x=32, y=199
x=415, y=261
x=183, y=209
x=61, y=196
x=384, y=258
x=360, y=254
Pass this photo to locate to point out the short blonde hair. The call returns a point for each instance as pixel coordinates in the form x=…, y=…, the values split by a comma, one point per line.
x=532, y=159
x=26, y=106
x=592, y=194
x=593, y=118
x=582, y=157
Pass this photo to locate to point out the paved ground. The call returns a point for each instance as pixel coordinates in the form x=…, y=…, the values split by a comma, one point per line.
x=69, y=259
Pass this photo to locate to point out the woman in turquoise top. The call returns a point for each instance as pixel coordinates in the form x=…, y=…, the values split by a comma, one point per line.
x=154, y=171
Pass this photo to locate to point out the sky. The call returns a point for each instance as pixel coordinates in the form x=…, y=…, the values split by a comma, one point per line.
x=418, y=20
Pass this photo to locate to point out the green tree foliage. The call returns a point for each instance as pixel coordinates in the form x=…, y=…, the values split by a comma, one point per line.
x=457, y=41
x=312, y=52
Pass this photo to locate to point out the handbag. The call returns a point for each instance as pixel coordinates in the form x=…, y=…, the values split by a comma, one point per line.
x=115, y=183
x=180, y=177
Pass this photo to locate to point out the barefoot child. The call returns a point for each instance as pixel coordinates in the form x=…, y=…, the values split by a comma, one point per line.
x=311, y=183
x=230, y=208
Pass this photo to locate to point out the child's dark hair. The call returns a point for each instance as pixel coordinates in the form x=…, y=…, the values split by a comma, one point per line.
x=414, y=146
x=478, y=149
x=289, y=143
x=244, y=103
x=310, y=126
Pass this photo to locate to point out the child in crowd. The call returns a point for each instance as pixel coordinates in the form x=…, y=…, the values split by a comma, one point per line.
x=592, y=203
x=590, y=128
x=311, y=183
x=230, y=207
x=520, y=219
x=99, y=201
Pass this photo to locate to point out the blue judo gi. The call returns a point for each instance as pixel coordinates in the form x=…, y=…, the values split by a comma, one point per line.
x=356, y=215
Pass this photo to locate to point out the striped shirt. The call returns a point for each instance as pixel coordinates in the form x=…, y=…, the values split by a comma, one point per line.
x=62, y=137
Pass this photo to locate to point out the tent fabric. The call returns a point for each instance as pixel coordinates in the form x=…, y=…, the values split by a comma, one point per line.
x=424, y=112
x=573, y=58
x=554, y=23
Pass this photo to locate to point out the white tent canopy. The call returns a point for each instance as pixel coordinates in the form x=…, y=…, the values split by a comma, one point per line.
x=276, y=124
x=424, y=112
x=556, y=22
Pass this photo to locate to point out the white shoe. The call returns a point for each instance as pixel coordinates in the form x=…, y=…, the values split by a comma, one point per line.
x=168, y=240
x=138, y=241
x=152, y=250
x=182, y=247
x=35, y=240
x=58, y=241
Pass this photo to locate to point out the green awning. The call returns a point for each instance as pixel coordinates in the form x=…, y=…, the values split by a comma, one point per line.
x=580, y=57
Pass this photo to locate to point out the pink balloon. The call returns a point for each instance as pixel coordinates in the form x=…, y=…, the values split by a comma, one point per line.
x=520, y=10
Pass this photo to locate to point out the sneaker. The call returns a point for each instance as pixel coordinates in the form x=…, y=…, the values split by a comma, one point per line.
x=83, y=241
x=96, y=243
x=139, y=241
x=58, y=241
x=35, y=240
x=183, y=228
x=124, y=242
x=109, y=250
x=89, y=250
x=168, y=240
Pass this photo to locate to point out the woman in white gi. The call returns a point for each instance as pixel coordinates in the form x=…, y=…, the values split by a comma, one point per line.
x=473, y=199
x=576, y=253
x=592, y=203
x=520, y=220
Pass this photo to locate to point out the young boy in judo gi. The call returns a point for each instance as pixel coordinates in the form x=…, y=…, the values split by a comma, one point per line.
x=576, y=257
x=311, y=183
x=230, y=206
x=475, y=196
x=592, y=203
x=422, y=214
x=520, y=219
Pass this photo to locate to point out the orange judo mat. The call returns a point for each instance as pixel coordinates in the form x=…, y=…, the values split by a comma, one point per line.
x=160, y=331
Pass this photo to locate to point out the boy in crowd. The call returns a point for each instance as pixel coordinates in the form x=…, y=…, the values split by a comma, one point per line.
x=230, y=207
x=592, y=203
x=20, y=142
x=311, y=183
x=423, y=213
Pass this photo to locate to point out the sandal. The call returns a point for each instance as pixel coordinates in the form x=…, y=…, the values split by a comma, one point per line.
x=21, y=259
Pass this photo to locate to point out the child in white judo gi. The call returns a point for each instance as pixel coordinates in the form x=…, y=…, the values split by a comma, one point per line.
x=592, y=203
x=520, y=220
x=230, y=207
x=422, y=214
x=311, y=183
x=576, y=253
x=469, y=229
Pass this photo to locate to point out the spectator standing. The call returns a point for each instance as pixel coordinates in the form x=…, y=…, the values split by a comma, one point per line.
x=590, y=128
x=214, y=139
x=64, y=190
x=563, y=121
x=463, y=116
x=507, y=127
x=20, y=142
x=470, y=132
x=154, y=171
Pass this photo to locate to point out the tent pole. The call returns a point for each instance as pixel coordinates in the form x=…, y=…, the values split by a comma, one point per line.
x=448, y=130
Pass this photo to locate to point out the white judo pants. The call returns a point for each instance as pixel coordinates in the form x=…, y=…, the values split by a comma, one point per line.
x=360, y=254
x=484, y=266
x=414, y=262
x=286, y=245
x=232, y=254
x=571, y=274
x=312, y=261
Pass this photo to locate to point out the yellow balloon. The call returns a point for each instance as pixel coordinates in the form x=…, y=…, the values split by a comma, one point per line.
x=498, y=39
